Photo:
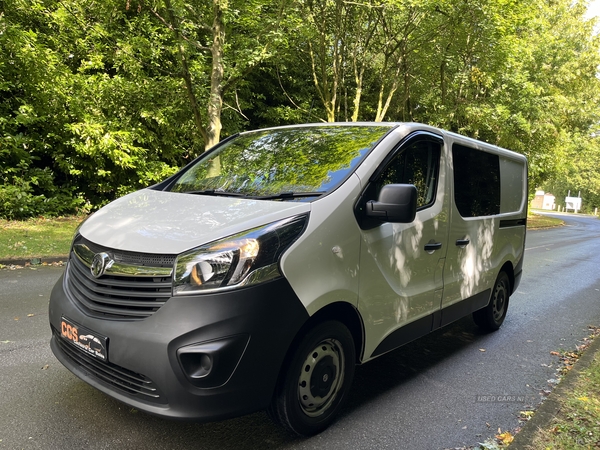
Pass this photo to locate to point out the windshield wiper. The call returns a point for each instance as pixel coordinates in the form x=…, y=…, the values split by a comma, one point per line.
x=280, y=196
x=286, y=195
x=217, y=193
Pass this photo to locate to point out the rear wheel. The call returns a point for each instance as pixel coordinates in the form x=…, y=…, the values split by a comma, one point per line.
x=315, y=384
x=491, y=317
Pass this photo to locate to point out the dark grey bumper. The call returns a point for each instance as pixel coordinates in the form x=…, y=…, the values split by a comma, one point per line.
x=247, y=330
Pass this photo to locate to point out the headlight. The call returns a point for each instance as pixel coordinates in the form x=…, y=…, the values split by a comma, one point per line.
x=247, y=258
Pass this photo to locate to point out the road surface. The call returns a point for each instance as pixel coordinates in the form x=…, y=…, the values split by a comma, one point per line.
x=452, y=389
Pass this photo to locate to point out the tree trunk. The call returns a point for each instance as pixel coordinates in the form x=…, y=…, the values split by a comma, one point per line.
x=185, y=73
x=215, y=102
x=358, y=78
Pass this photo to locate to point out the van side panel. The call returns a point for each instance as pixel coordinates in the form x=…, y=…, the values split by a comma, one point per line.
x=336, y=261
x=479, y=246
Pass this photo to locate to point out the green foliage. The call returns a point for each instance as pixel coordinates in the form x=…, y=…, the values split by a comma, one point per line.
x=578, y=173
x=101, y=98
x=19, y=198
x=93, y=119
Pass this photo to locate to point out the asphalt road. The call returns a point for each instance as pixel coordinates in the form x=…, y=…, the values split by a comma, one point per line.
x=439, y=392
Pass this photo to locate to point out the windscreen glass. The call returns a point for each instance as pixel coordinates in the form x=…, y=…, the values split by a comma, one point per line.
x=287, y=161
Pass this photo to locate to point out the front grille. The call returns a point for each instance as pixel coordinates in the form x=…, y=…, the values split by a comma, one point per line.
x=134, y=258
x=126, y=381
x=132, y=294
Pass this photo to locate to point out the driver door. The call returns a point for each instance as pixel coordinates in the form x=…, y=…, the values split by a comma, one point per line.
x=401, y=264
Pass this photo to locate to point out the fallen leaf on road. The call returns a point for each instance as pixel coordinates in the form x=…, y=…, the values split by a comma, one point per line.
x=505, y=438
x=45, y=367
x=16, y=318
x=30, y=315
x=526, y=415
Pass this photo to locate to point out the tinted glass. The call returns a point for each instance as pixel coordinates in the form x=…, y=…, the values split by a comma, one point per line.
x=476, y=182
x=269, y=162
x=417, y=164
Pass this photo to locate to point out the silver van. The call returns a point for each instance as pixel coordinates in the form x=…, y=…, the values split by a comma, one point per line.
x=259, y=275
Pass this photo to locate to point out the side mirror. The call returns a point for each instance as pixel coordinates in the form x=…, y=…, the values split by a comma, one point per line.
x=397, y=203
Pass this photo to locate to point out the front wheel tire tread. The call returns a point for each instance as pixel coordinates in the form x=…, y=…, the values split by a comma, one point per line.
x=315, y=383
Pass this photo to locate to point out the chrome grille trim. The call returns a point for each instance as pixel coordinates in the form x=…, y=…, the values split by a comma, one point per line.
x=86, y=255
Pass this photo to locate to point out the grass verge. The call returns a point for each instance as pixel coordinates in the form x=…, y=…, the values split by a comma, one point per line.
x=36, y=238
x=577, y=425
x=537, y=221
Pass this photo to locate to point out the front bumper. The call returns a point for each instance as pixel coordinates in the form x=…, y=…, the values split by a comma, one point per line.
x=202, y=357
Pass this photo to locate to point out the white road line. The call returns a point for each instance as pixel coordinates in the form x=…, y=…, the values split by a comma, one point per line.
x=541, y=246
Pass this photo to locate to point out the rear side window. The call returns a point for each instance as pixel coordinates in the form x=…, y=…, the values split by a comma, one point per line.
x=476, y=182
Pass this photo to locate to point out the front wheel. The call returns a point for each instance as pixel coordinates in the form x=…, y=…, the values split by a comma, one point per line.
x=315, y=384
x=491, y=317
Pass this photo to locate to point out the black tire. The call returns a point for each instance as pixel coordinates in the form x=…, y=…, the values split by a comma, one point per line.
x=491, y=317
x=314, y=385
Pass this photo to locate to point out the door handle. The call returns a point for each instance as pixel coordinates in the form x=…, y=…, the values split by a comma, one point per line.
x=462, y=242
x=433, y=246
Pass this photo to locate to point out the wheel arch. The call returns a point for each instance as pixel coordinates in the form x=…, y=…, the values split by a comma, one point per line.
x=347, y=314
x=340, y=311
x=509, y=270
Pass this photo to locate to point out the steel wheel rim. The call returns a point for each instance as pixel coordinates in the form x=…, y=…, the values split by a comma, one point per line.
x=500, y=297
x=321, y=377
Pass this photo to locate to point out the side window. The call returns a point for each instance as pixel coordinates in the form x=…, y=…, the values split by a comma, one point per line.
x=417, y=164
x=476, y=181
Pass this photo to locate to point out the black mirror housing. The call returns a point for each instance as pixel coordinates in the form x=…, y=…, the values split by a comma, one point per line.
x=397, y=203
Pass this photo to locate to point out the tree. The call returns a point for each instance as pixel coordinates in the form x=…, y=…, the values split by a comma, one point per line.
x=522, y=76
x=118, y=88
x=32, y=116
x=120, y=93
x=226, y=39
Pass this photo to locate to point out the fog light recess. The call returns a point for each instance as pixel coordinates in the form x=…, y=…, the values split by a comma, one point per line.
x=196, y=365
x=211, y=364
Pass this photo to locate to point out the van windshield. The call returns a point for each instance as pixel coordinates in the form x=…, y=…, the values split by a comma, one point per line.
x=282, y=163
